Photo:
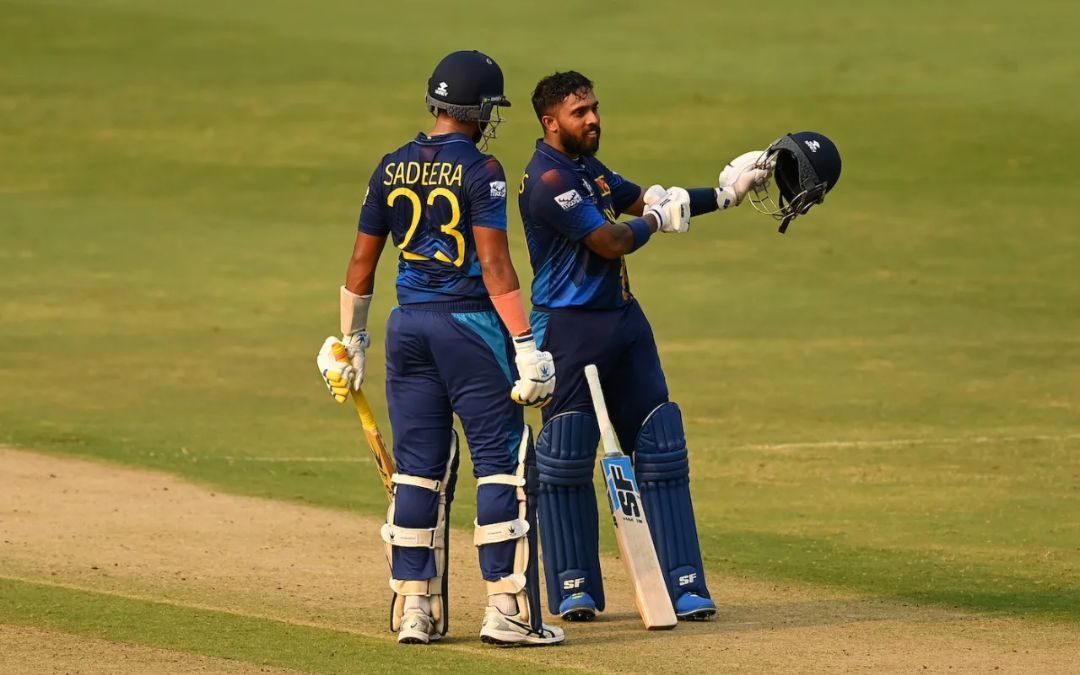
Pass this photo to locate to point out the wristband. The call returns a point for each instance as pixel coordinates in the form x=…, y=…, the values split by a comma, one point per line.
x=702, y=200
x=642, y=231
x=354, y=311
x=510, y=310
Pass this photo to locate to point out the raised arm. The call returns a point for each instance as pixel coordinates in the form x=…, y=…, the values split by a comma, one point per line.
x=558, y=202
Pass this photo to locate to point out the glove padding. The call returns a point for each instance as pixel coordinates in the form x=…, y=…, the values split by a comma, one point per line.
x=336, y=374
x=536, y=373
x=356, y=345
x=670, y=208
x=747, y=171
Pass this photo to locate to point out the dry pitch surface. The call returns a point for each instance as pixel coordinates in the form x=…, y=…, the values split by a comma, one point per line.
x=147, y=535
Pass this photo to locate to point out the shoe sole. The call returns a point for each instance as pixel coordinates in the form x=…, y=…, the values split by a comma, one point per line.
x=417, y=639
x=698, y=615
x=499, y=642
x=582, y=614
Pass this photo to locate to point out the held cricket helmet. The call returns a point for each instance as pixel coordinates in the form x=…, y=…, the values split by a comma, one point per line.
x=807, y=167
x=468, y=86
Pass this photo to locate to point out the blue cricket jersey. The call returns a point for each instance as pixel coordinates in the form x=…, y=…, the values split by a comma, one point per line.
x=562, y=200
x=428, y=195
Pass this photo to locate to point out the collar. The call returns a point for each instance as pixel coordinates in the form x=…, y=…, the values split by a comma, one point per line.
x=442, y=139
x=557, y=155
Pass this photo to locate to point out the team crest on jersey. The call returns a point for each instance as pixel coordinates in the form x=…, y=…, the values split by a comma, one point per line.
x=498, y=189
x=604, y=189
x=587, y=184
x=568, y=199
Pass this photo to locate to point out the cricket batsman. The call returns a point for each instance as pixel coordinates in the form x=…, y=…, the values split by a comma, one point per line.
x=584, y=313
x=458, y=342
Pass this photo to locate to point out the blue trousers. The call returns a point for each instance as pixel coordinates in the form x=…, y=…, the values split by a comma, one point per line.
x=620, y=343
x=441, y=359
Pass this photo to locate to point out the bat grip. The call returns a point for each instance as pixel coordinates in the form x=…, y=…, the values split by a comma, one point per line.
x=339, y=352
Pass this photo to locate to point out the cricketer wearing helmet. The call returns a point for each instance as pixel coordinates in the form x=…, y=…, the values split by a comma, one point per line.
x=459, y=342
x=585, y=313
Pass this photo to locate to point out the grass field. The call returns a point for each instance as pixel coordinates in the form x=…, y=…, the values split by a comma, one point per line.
x=884, y=401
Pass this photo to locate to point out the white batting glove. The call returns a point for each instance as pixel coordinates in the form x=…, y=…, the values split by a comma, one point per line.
x=536, y=373
x=654, y=194
x=336, y=374
x=742, y=174
x=356, y=345
x=671, y=210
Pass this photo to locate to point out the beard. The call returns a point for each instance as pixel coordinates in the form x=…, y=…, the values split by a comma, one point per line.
x=583, y=145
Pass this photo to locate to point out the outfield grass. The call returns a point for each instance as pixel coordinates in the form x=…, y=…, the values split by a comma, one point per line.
x=251, y=639
x=887, y=398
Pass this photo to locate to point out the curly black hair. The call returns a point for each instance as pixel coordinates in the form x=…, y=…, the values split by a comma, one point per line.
x=551, y=90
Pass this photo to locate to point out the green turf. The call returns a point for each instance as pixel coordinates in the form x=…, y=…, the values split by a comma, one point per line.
x=180, y=183
x=254, y=640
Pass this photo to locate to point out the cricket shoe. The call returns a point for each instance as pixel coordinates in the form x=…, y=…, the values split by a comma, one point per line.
x=578, y=607
x=504, y=631
x=417, y=628
x=693, y=607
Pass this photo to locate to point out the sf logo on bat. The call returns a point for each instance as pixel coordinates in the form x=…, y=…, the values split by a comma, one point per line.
x=624, y=492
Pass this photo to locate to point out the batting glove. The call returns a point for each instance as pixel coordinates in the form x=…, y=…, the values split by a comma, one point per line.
x=670, y=209
x=536, y=373
x=742, y=174
x=356, y=345
x=336, y=374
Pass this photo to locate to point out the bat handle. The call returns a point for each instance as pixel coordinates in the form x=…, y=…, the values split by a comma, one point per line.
x=367, y=418
x=339, y=352
x=607, y=433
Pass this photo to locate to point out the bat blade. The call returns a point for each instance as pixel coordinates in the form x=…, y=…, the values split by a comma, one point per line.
x=384, y=461
x=636, y=545
x=631, y=526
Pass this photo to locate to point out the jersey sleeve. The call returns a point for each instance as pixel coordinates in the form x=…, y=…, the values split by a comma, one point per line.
x=557, y=201
x=623, y=192
x=372, y=215
x=486, y=187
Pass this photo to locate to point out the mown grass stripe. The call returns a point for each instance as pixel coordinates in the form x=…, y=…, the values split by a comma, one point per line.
x=214, y=633
x=920, y=576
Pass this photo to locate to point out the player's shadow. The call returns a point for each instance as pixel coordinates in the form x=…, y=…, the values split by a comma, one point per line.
x=764, y=617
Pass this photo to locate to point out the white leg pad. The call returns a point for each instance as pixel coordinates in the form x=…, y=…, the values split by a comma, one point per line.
x=510, y=530
x=433, y=538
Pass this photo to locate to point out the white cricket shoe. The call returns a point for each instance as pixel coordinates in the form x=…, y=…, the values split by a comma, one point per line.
x=417, y=628
x=504, y=631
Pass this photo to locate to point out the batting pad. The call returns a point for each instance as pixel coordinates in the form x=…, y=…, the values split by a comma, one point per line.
x=569, y=525
x=663, y=473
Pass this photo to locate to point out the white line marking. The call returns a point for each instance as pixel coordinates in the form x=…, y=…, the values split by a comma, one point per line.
x=328, y=460
x=890, y=442
x=807, y=445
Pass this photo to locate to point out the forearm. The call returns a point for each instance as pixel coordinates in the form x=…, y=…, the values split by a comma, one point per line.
x=499, y=276
x=360, y=276
x=614, y=240
x=502, y=285
x=359, y=283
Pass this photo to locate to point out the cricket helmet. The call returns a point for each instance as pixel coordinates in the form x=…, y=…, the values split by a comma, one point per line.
x=468, y=86
x=807, y=166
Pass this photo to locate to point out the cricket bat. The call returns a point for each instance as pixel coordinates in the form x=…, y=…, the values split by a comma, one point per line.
x=628, y=515
x=383, y=461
